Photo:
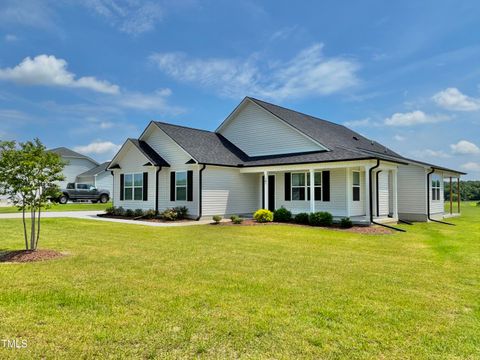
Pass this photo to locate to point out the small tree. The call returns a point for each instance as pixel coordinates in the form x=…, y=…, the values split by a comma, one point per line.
x=28, y=173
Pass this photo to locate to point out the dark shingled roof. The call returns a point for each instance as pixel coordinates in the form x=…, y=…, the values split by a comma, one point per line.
x=207, y=147
x=149, y=153
x=96, y=170
x=67, y=153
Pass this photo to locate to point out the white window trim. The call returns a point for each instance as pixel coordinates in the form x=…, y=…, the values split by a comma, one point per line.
x=133, y=187
x=435, y=188
x=307, y=188
x=181, y=186
x=357, y=186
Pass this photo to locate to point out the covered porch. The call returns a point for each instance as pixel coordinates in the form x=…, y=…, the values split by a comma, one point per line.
x=341, y=188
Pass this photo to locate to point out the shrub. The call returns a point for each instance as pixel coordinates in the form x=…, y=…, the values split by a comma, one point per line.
x=478, y=203
x=138, y=213
x=216, y=219
x=119, y=211
x=263, y=215
x=302, y=218
x=321, y=218
x=182, y=212
x=236, y=219
x=149, y=214
x=110, y=210
x=129, y=213
x=170, y=215
x=282, y=215
x=346, y=223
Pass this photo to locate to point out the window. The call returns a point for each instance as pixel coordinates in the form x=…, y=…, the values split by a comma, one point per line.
x=301, y=186
x=436, y=189
x=83, y=187
x=181, y=185
x=356, y=185
x=133, y=188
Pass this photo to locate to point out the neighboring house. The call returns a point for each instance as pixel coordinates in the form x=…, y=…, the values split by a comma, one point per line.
x=81, y=168
x=264, y=155
x=98, y=177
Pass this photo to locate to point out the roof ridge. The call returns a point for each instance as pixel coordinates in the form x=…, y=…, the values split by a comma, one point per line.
x=183, y=126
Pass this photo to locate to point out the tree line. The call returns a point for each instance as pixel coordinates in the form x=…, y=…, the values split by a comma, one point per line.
x=469, y=190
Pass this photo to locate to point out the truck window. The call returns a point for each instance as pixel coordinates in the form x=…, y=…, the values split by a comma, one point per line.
x=70, y=186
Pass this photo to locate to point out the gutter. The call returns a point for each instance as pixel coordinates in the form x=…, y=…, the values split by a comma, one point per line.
x=200, y=192
x=428, y=201
x=157, y=188
x=370, y=190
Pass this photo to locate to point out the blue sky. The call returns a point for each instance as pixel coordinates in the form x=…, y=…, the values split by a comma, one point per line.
x=88, y=74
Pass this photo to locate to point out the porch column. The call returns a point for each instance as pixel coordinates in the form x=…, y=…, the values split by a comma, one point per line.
x=265, y=189
x=451, y=196
x=395, y=193
x=367, y=192
x=312, y=191
x=458, y=194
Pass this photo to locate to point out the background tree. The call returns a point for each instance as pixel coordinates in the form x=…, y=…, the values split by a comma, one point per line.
x=28, y=176
x=469, y=190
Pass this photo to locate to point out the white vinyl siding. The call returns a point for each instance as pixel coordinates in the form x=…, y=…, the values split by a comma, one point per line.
x=165, y=146
x=227, y=192
x=75, y=167
x=132, y=161
x=104, y=181
x=258, y=132
x=412, y=196
x=357, y=208
x=383, y=193
x=437, y=206
x=337, y=205
x=164, y=189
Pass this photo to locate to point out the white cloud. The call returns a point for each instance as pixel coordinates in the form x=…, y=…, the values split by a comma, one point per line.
x=98, y=147
x=49, y=71
x=453, y=99
x=156, y=101
x=429, y=153
x=35, y=13
x=309, y=73
x=399, y=137
x=464, y=147
x=10, y=38
x=413, y=118
x=358, y=123
x=130, y=16
x=471, y=166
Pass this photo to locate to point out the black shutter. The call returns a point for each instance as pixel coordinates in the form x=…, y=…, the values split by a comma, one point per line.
x=326, y=185
x=189, y=185
x=145, y=186
x=288, y=181
x=172, y=185
x=122, y=185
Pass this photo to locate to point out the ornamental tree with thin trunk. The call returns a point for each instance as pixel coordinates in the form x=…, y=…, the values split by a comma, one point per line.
x=28, y=176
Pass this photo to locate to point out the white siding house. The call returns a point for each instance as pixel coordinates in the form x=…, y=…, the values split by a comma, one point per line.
x=264, y=155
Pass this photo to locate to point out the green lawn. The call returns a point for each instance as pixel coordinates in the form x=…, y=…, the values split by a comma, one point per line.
x=60, y=207
x=128, y=291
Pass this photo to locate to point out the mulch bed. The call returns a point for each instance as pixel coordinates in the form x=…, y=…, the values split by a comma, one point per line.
x=24, y=256
x=355, y=229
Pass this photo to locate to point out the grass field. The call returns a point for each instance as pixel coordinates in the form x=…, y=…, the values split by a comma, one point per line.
x=128, y=291
x=60, y=207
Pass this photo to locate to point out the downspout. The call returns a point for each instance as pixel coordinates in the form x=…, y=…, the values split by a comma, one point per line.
x=200, y=192
x=157, y=187
x=370, y=190
x=428, y=201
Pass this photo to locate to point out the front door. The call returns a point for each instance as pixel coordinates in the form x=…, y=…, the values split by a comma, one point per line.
x=271, y=192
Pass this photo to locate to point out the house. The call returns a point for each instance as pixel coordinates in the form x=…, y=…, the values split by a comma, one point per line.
x=81, y=168
x=98, y=176
x=267, y=156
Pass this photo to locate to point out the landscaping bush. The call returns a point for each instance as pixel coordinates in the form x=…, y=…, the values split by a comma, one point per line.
x=119, y=211
x=182, y=212
x=282, y=215
x=149, y=214
x=236, y=219
x=216, y=219
x=302, y=218
x=170, y=215
x=346, y=223
x=110, y=210
x=263, y=215
x=138, y=213
x=129, y=213
x=478, y=203
x=321, y=218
